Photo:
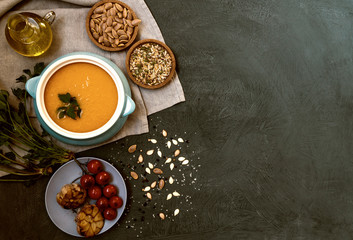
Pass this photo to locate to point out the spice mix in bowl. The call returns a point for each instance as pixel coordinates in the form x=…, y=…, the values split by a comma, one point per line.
x=150, y=63
x=112, y=25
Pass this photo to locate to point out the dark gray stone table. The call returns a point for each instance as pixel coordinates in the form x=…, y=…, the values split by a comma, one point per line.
x=268, y=119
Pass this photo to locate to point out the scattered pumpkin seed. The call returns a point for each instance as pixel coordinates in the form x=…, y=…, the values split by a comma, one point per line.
x=153, y=185
x=162, y=216
x=132, y=148
x=157, y=171
x=161, y=184
x=152, y=140
x=140, y=159
x=149, y=195
x=134, y=175
x=177, y=152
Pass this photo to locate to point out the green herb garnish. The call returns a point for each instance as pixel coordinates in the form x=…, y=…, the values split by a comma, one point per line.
x=25, y=153
x=71, y=107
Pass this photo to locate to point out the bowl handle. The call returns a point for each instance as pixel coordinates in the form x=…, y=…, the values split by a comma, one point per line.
x=31, y=86
x=129, y=107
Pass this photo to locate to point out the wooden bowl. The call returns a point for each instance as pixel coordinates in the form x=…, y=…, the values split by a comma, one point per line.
x=141, y=84
x=95, y=41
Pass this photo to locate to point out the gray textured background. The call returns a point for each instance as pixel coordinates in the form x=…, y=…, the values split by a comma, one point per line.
x=269, y=94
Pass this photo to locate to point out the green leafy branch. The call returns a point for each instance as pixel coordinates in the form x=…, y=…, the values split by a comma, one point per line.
x=18, y=134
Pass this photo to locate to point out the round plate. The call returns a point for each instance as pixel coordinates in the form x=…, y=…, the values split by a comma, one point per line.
x=64, y=219
x=127, y=63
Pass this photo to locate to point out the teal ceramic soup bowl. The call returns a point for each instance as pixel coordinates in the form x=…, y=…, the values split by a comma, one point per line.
x=36, y=87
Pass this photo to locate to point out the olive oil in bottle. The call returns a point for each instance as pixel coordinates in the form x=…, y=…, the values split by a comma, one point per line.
x=29, y=34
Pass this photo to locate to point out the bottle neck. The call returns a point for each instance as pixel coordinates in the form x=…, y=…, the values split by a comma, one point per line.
x=19, y=28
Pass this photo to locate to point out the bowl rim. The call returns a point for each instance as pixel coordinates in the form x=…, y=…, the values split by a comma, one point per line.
x=111, y=49
x=127, y=63
x=64, y=61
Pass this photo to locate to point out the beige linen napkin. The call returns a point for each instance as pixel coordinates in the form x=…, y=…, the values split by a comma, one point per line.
x=70, y=35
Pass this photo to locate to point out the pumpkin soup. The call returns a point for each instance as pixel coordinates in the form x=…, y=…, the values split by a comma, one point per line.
x=94, y=90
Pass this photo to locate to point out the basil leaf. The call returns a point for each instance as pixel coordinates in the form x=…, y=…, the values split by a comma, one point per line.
x=71, y=112
x=65, y=98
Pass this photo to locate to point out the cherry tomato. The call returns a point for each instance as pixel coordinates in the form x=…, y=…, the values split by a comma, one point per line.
x=94, y=166
x=109, y=191
x=95, y=192
x=110, y=213
x=103, y=178
x=87, y=181
x=115, y=202
x=102, y=203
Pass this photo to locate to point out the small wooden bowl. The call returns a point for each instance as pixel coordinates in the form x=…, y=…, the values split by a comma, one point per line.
x=127, y=64
x=106, y=48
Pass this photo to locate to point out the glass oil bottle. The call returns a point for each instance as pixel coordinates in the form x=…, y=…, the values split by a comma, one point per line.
x=29, y=34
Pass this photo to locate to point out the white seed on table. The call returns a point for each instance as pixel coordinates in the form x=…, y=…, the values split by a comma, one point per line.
x=152, y=140
x=171, y=180
x=169, y=144
x=148, y=170
x=175, y=142
x=159, y=153
x=140, y=159
x=169, y=196
x=168, y=160
x=164, y=133
x=154, y=184
x=162, y=216
x=150, y=165
x=177, y=152
x=185, y=162
x=176, y=194
x=171, y=166
x=149, y=195
x=150, y=152
x=146, y=189
x=180, y=140
x=176, y=212
x=181, y=159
